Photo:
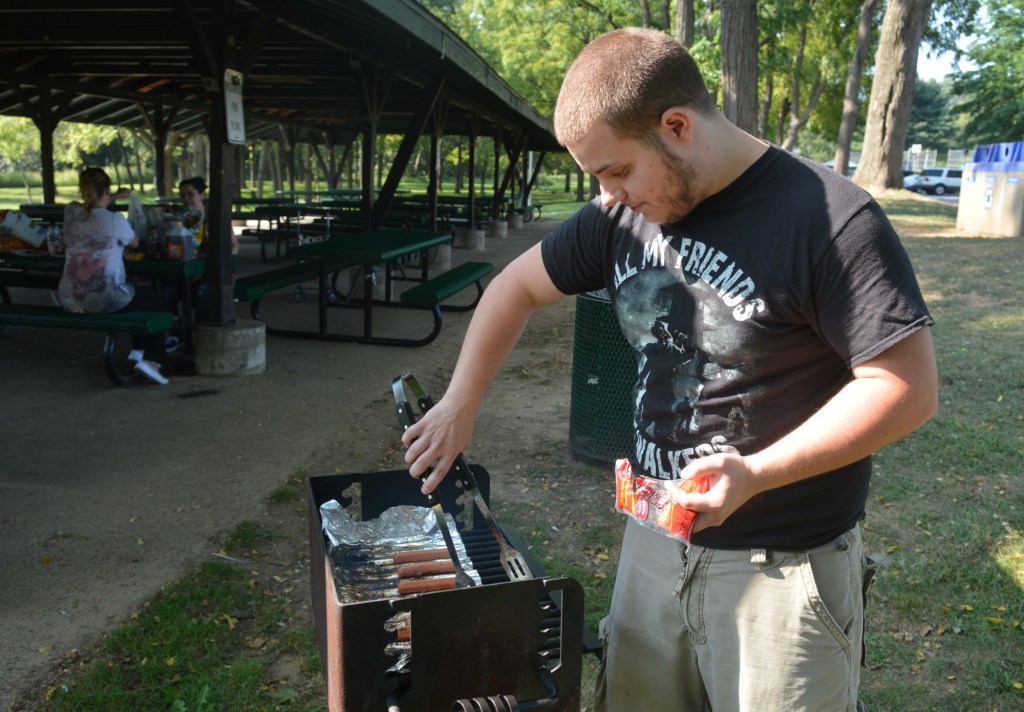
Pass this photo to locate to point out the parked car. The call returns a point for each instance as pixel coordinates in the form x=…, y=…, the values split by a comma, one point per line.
x=935, y=180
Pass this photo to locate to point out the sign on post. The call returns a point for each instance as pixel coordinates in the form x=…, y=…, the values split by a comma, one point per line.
x=233, y=106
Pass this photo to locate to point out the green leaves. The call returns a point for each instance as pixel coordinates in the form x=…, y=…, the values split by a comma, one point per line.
x=991, y=95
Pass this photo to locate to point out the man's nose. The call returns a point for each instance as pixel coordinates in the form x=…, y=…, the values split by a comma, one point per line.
x=610, y=195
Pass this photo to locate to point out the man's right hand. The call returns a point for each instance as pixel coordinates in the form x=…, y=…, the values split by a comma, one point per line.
x=434, y=442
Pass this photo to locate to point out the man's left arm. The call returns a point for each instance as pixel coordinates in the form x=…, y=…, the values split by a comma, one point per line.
x=890, y=396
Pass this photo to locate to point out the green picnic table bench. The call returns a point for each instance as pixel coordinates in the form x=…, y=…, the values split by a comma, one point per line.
x=253, y=287
x=530, y=212
x=53, y=317
x=16, y=278
x=434, y=291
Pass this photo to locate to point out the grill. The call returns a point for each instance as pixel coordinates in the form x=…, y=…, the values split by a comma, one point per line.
x=497, y=647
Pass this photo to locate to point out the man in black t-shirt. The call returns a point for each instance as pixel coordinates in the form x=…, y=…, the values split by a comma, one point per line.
x=782, y=338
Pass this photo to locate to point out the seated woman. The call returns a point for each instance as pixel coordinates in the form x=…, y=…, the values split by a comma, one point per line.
x=94, y=280
x=193, y=197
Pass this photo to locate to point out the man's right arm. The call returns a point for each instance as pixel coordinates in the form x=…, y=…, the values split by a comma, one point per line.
x=498, y=322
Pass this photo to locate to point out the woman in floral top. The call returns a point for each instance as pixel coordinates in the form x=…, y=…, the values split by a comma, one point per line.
x=94, y=279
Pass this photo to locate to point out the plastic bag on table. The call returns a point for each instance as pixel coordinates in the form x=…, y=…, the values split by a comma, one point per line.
x=137, y=217
x=20, y=225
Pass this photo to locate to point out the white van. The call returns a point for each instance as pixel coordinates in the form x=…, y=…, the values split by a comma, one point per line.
x=935, y=180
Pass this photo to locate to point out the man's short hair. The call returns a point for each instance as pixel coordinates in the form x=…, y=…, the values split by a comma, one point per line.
x=627, y=78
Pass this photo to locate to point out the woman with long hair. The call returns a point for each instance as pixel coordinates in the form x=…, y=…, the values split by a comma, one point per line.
x=94, y=280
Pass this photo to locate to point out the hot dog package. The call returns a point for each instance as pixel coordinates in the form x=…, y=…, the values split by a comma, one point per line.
x=647, y=500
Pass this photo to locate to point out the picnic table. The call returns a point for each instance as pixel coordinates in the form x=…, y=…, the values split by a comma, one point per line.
x=364, y=251
x=35, y=269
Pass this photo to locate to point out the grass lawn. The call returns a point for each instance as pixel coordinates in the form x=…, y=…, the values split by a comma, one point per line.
x=945, y=625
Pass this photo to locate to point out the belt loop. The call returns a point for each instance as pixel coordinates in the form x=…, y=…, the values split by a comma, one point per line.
x=759, y=557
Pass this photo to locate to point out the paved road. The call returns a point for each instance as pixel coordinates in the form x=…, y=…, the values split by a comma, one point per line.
x=108, y=493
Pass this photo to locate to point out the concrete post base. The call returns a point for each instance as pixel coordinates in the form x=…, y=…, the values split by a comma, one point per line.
x=376, y=283
x=349, y=280
x=238, y=349
x=497, y=228
x=470, y=239
x=441, y=256
x=515, y=220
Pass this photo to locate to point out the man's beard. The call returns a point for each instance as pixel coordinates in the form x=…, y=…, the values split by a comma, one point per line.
x=680, y=189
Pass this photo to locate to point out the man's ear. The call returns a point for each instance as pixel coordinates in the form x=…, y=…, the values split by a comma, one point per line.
x=678, y=121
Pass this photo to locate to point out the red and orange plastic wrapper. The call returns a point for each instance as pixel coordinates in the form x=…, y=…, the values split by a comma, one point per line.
x=647, y=500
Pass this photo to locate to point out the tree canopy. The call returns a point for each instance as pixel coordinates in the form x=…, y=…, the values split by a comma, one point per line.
x=804, y=50
x=992, y=96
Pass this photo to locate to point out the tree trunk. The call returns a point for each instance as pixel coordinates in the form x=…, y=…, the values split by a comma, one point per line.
x=780, y=124
x=684, y=22
x=262, y=168
x=127, y=160
x=275, y=167
x=458, y=168
x=351, y=164
x=380, y=163
x=252, y=148
x=138, y=166
x=308, y=170
x=645, y=9
x=764, y=114
x=438, y=162
x=892, y=93
x=798, y=119
x=848, y=123
x=739, y=63
x=798, y=115
x=28, y=187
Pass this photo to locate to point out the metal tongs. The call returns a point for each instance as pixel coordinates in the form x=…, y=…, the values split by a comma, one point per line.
x=511, y=560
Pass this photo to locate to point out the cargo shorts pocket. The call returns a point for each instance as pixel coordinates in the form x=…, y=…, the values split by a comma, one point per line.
x=835, y=588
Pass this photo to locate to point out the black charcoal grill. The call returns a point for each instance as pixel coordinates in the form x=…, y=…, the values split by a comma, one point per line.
x=497, y=647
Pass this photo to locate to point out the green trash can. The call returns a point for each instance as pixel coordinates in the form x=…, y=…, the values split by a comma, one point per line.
x=603, y=375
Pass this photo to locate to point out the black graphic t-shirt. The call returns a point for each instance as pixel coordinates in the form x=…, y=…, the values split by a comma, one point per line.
x=747, y=316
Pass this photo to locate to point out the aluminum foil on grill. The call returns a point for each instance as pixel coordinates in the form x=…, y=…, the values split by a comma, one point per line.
x=362, y=552
x=362, y=558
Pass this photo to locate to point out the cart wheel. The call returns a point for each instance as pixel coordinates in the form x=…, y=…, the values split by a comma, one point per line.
x=300, y=293
x=332, y=296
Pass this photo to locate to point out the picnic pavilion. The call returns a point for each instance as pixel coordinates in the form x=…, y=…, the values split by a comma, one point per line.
x=319, y=72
